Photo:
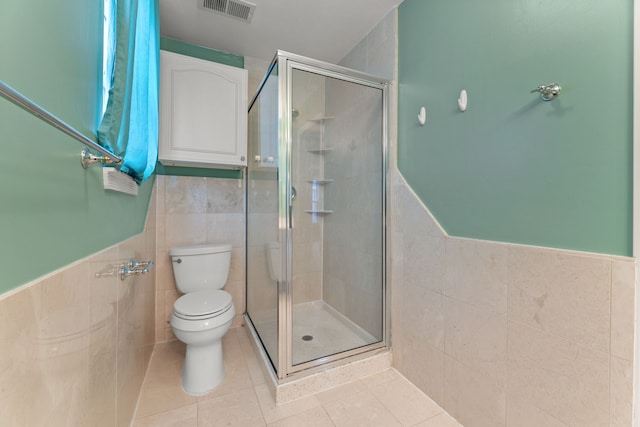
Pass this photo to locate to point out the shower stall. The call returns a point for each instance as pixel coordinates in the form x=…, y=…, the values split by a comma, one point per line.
x=316, y=290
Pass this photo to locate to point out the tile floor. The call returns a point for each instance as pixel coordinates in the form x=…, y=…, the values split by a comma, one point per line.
x=243, y=399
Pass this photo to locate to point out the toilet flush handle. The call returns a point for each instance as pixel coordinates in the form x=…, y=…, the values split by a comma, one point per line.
x=178, y=261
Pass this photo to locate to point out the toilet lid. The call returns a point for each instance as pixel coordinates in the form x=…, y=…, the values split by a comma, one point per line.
x=200, y=249
x=202, y=303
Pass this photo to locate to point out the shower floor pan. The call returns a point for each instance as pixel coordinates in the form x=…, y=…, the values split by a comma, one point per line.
x=318, y=331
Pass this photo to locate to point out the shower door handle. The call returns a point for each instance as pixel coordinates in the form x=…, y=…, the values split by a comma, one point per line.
x=290, y=217
x=293, y=197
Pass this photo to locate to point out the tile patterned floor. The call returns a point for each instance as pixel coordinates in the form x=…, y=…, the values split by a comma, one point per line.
x=385, y=399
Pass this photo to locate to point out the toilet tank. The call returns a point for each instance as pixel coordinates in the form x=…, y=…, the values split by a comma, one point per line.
x=200, y=267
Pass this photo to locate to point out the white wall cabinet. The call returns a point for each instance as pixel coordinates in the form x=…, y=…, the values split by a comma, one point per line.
x=203, y=113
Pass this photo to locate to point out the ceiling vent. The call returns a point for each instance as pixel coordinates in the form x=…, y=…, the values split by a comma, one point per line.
x=237, y=9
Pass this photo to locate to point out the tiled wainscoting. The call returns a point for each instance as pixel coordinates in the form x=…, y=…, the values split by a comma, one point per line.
x=75, y=344
x=497, y=334
x=502, y=334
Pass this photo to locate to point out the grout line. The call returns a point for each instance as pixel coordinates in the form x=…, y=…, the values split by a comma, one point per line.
x=610, y=332
x=142, y=386
x=506, y=338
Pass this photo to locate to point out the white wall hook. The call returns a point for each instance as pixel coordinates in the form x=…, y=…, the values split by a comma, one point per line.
x=462, y=100
x=422, y=116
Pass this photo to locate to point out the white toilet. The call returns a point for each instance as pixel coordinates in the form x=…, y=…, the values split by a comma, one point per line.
x=204, y=314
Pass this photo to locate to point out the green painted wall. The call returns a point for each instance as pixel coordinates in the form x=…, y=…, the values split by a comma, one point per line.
x=513, y=168
x=53, y=212
x=201, y=172
x=182, y=48
x=201, y=52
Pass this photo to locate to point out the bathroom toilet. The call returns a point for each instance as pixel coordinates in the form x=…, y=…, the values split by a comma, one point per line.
x=203, y=314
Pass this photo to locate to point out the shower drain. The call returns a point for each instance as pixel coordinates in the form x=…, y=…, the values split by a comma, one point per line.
x=307, y=337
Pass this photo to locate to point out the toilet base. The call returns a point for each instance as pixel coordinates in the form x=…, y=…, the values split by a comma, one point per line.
x=203, y=368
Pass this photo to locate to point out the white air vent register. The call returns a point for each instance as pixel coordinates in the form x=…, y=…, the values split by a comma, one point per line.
x=237, y=9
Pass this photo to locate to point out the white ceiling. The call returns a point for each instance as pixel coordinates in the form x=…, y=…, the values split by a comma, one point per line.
x=322, y=29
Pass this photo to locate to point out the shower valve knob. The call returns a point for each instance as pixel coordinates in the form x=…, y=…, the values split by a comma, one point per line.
x=134, y=268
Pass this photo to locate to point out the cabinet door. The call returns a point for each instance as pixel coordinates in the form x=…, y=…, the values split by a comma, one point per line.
x=203, y=113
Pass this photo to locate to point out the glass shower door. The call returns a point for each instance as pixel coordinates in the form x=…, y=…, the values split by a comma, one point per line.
x=315, y=214
x=337, y=172
x=264, y=271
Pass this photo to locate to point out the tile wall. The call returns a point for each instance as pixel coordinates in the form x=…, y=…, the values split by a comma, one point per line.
x=193, y=211
x=76, y=343
x=510, y=335
x=308, y=98
x=262, y=246
x=353, y=239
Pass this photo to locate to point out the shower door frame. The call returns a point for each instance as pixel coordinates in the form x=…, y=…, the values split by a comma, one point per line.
x=286, y=63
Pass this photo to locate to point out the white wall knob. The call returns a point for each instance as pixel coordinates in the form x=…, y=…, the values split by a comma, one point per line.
x=462, y=100
x=422, y=116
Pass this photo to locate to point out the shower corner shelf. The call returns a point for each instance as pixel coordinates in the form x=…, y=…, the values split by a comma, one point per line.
x=319, y=211
x=319, y=181
x=319, y=150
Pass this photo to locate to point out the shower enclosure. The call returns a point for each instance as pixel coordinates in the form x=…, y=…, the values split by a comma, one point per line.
x=316, y=289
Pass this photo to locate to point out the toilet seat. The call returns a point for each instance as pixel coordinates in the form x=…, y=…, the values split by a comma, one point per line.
x=202, y=305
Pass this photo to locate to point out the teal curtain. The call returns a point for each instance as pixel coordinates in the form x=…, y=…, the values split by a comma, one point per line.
x=129, y=127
